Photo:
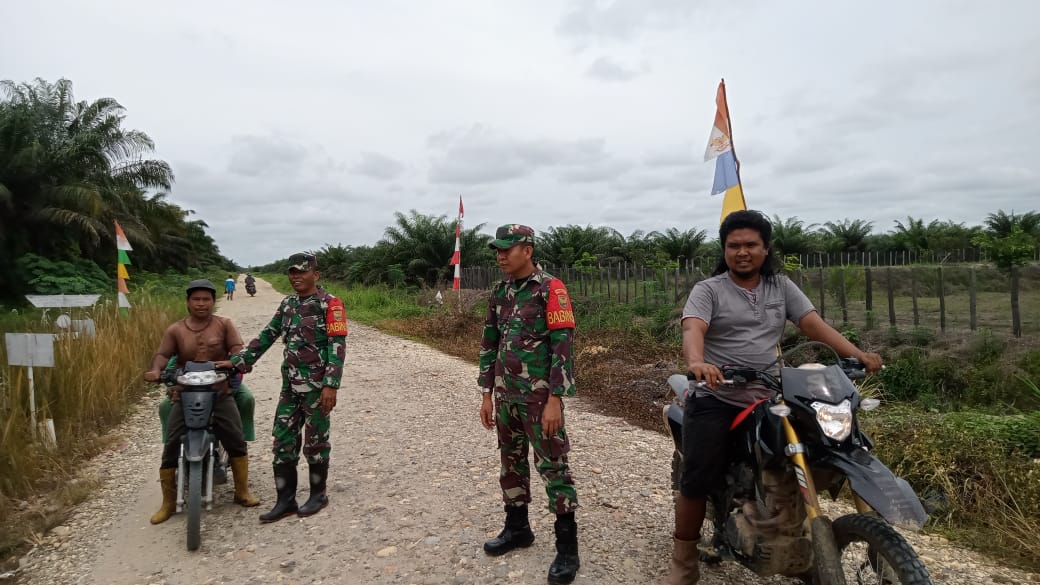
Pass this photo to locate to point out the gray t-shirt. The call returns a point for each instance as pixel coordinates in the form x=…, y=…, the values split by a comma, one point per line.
x=744, y=327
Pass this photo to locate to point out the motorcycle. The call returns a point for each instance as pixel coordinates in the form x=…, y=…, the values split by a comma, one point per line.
x=200, y=452
x=251, y=288
x=767, y=514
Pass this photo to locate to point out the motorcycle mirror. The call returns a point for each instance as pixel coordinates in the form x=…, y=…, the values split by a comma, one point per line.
x=679, y=384
x=869, y=404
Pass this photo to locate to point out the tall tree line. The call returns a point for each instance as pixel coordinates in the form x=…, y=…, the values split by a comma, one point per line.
x=68, y=169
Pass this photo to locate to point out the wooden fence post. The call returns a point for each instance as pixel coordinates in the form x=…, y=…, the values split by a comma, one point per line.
x=642, y=278
x=1016, y=317
x=869, y=284
x=972, y=300
x=942, y=301
x=626, y=282
x=608, y=280
x=913, y=294
x=891, y=297
x=842, y=298
x=823, y=294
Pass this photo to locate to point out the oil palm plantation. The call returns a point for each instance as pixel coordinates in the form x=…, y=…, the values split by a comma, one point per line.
x=68, y=169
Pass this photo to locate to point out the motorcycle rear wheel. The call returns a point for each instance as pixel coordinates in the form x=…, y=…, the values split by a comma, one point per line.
x=194, y=505
x=874, y=553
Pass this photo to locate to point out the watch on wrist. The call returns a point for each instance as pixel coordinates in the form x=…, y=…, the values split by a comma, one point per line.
x=485, y=390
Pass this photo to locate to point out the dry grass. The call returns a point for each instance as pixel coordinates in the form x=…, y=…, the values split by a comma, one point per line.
x=94, y=383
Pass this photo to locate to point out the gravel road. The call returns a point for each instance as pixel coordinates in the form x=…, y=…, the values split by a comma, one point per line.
x=413, y=490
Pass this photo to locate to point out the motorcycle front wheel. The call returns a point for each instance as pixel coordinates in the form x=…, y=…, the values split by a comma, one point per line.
x=826, y=568
x=194, y=505
x=874, y=553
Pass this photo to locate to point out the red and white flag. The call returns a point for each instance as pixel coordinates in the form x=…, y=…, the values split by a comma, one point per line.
x=456, y=259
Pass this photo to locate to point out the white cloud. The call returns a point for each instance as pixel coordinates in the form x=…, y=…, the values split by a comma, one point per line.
x=290, y=128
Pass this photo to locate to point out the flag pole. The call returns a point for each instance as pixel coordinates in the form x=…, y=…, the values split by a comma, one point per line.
x=732, y=146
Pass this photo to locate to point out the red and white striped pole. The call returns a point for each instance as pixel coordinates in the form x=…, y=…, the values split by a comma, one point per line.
x=456, y=258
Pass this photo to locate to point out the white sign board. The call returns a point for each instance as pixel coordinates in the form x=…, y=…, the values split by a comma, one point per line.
x=30, y=349
x=55, y=301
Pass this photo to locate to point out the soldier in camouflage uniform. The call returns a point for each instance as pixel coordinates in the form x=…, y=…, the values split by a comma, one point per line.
x=314, y=325
x=526, y=368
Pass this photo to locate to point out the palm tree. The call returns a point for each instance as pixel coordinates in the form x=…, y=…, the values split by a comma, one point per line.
x=914, y=234
x=848, y=235
x=67, y=169
x=792, y=236
x=678, y=244
x=561, y=246
x=1002, y=223
x=424, y=244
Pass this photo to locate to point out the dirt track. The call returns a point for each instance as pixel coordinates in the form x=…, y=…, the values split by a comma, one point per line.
x=413, y=489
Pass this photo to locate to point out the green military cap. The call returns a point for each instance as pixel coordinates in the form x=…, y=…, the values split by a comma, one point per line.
x=303, y=261
x=512, y=234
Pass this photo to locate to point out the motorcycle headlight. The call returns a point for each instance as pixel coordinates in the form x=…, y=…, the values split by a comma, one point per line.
x=834, y=419
x=200, y=378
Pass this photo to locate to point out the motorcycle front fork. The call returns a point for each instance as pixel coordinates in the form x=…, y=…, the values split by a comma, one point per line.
x=182, y=473
x=796, y=451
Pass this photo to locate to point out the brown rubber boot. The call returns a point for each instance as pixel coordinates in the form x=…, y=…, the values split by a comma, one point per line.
x=240, y=469
x=168, y=483
x=686, y=559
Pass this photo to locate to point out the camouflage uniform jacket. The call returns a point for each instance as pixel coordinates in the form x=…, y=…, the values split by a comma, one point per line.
x=526, y=349
x=313, y=357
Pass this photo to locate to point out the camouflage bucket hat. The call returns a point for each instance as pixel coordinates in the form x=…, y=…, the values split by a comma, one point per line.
x=303, y=261
x=512, y=234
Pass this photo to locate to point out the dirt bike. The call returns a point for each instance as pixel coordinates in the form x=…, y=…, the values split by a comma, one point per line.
x=767, y=516
x=251, y=288
x=200, y=451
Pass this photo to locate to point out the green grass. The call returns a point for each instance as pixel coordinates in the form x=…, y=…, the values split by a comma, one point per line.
x=368, y=305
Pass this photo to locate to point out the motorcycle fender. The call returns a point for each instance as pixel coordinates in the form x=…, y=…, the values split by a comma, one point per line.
x=673, y=418
x=885, y=492
x=196, y=444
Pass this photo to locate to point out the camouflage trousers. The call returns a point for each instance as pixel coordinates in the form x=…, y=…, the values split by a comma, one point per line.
x=296, y=412
x=520, y=425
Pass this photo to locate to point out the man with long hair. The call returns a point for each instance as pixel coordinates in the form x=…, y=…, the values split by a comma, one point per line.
x=735, y=317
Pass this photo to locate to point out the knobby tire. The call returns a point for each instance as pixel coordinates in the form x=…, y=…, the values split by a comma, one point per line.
x=890, y=560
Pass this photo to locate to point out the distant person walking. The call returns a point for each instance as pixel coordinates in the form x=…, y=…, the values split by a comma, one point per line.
x=526, y=368
x=229, y=288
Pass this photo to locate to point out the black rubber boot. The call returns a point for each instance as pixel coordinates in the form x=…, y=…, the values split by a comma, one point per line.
x=285, y=485
x=516, y=534
x=319, y=476
x=566, y=564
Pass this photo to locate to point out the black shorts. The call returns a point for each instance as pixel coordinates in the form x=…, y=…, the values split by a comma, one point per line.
x=705, y=431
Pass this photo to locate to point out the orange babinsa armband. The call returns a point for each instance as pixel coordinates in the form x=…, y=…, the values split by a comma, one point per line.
x=336, y=319
x=559, y=314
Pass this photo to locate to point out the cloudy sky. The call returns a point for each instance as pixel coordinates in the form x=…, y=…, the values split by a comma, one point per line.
x=293, y=125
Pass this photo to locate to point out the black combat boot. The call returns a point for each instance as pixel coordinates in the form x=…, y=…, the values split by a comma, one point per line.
x=319, y=476
x=516, y=534
x=285, y=484
x=566, y=564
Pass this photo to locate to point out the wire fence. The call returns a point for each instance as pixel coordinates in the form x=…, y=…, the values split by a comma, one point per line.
x=956, y=297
